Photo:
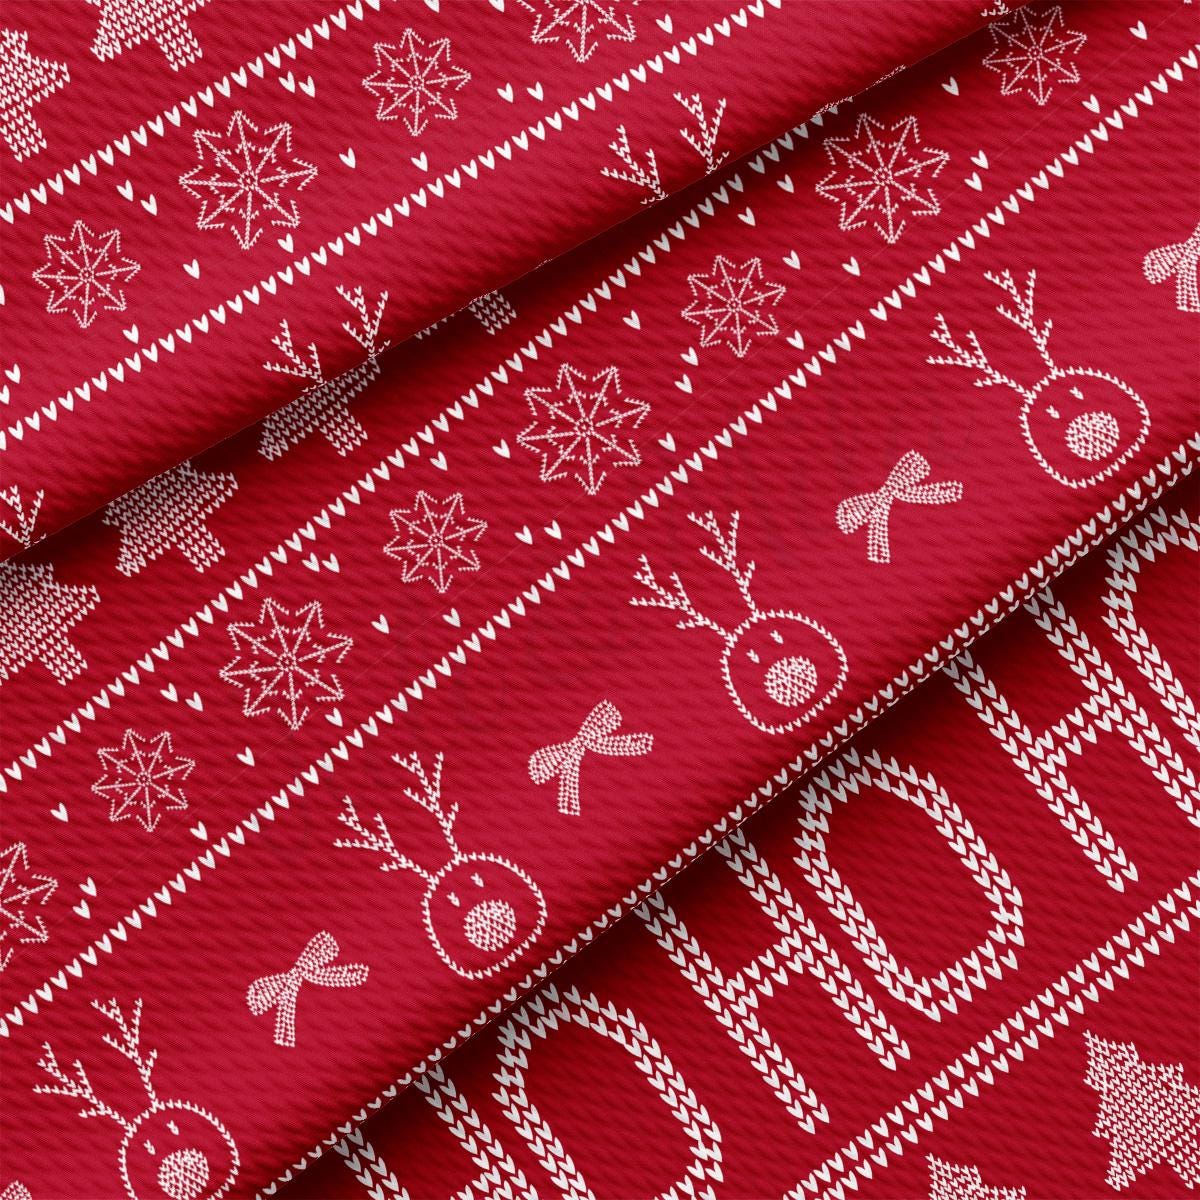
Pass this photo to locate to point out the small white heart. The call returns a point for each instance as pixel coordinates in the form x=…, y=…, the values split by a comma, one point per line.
x=308, y=87
x=980, y=160
x=664, y=23
x=503, y=449
x=523, y=535
x=286, y=243
x=59, y=813
x=796, y=339
x=690, y=356
x=82, y=909
x=246, y=756
x=348, y=157
x=506, y=92
x=421, y=161
x=131, y=334
x=381, y=623
x=452, y=618
x=951, y=86
x=194, y=701
x=334, y=717
x=792, y=260
x=667, y=442
x=439, y=460
x=88, y=886
x=554, y=530
x=973, y=181
x=747, y=216
x=199, y=831
x=126, y=189
x=151, y=205
x=193, y=268
x=289, y=81
x=536, y=91
x=684, y=385
x=1139, y=30
x=852, y=267
x=633, y=320
x=14, y=372
x=787, y=184
x=1092, y=104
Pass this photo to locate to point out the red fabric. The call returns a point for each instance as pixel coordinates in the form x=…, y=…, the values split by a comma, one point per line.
x=533, y=607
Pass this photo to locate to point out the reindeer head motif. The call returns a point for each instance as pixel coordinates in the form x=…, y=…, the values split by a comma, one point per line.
x=780, y=667
x=481, y=911
x=172, y=1150
x=1081, y=424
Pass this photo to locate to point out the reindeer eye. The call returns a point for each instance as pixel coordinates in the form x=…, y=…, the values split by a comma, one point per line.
x=1075, y=391
x=173, y=1128
x=752, y=655
x=451, y=898
x=1052, y=412
x=777, y=637
x=477, y=880
x=149, y=1147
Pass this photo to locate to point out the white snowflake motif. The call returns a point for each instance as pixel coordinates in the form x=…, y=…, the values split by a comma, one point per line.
x=84, y=272
x=580, y=23
x=1033, y=52
x=413, y=80
x=881, y=174
x=433, y=539
x=730, y=304
x=281, y=660
x=141, y=779
x=243, y=177
x=578, y=425
x=21, y=890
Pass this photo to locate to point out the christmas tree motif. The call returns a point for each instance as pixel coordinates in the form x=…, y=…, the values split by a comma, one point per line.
x=1080, y=424
x=481, y=912
x=1179, y=262
x=433, y=539
x=170, y=510
x=24, y=82
x=640, y=175
x=20, y=891
x=171, y=1148
x=35, y=614
x=324, y=406
x=579, y=425
x=142, y=779
x=1148, y=1112
x=84, y=272
x=779, y=667
x=881, y=174
x=413, y=81
x=244, y=179
x=1033, y=52
x=730, y=304
x=281, y=662
x=580, y=24
x=493, y=311
x=953, y=1181
x=19, y=514
x=127, y=23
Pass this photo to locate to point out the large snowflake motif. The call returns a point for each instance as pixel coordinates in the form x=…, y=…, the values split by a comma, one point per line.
x=243, y=179
x=580, y=23
x=730, y=304
x=21, y=890
x=433, y=539
x=578, y=426
x=281, y=661
x=84, y=272
x=413, y=81
x=881, y=174
x=141, y=778
x=1033, y=52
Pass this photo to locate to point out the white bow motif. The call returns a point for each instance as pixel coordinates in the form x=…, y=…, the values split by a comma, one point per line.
x=565, y=758
x=281, y=991
x=1180, y=261
x=874, y=508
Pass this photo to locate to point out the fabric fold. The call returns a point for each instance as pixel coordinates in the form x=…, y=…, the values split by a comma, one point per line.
x=324, y=746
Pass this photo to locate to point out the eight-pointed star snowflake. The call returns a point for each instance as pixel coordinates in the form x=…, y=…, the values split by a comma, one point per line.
x=281, y=661
x=1033, y=52
x=84, y=271
x=730, y=304
x=141, y=778
x=579, y=23
x=243, y=178
x=21, y=890
x=433, y=539
x=578, y=426
x=413, y=81
x=880, y=174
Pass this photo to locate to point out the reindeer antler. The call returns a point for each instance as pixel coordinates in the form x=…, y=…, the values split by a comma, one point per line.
x=725, y=555
x=79, y=1088
x=643, y=176
x=1021, y=313
x=970, y=356
x=674, y=600
x=704, y=139
x=376, y=842
x=369, y=323
x=296, y=366
x=129, y=1045
x=429, y=797
x=23, y=520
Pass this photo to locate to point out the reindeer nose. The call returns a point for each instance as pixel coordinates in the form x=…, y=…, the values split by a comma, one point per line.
x=791, y=681
x=1093, y=436
x=183, y=1174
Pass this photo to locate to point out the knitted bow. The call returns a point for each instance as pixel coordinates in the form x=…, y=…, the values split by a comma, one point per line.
x=874, y=508
x=311, y=967
x=564, y=759
x=1181, y=260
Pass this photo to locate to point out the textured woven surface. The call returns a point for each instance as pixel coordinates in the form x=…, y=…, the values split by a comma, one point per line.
x=392, y=668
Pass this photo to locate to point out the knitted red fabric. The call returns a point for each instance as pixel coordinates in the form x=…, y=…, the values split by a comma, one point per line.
x=364, y=656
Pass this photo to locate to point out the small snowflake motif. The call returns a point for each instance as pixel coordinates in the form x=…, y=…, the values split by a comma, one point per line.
x=881, y=174
x=282, y=659
x=127, y=23
x=578, y=426
x=580, y=24
x=84, y=272
x=24, y=82
x=244, y=178
x=21, y=890
x=433, y=539
x=142, y=779
x=730, y=304
x=1033, y=52
x=414, y=80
